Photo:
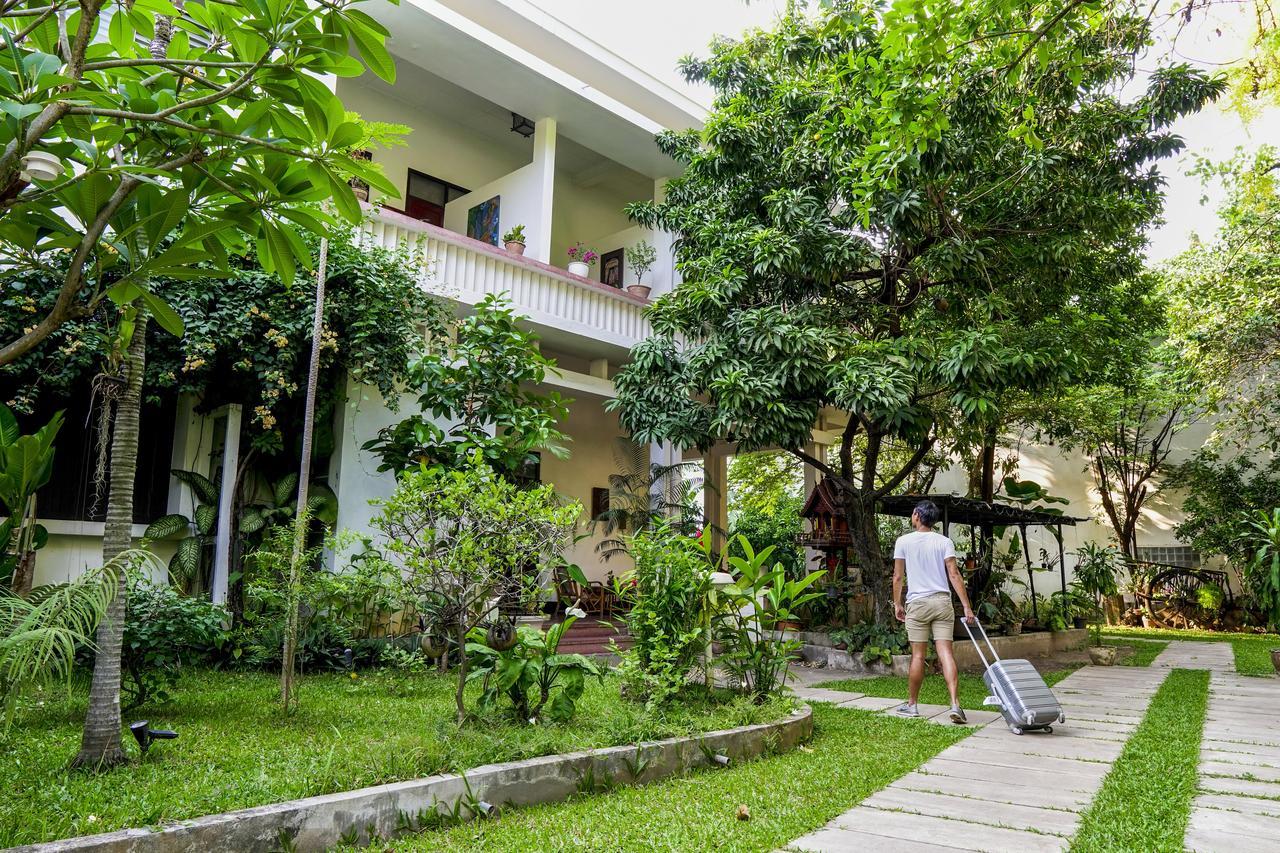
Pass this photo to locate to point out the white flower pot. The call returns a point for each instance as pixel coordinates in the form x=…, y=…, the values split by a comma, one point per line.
x=579, y=268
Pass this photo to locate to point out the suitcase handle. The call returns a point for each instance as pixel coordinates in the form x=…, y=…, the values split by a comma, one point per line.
x=983, y=631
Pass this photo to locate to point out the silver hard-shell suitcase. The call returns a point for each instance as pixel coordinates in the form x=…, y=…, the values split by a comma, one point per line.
x=1017, y=690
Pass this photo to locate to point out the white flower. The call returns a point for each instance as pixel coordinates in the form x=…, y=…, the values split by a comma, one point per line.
x=576, y=613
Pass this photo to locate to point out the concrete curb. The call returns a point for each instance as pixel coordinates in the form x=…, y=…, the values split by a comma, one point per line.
x=317, y=823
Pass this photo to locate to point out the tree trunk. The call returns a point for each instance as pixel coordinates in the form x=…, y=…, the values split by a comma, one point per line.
x=459, y=696
x=301, y=520
x=877, y=577
x=100, y=745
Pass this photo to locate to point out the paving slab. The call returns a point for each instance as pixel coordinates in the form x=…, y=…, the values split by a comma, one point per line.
x=1240, y=771
x=958, y=833
x=824, y=694
x=1244, y=787
x=871, y=703
x=837, y=839
x=1010, y=815
x=1011, y=776
x=976, y=719
x=1236, y=803
x=1046, y=795
x=1231, y=826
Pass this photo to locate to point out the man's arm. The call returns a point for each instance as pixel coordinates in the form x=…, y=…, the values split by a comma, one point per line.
x=957, y=583
x=899, y=568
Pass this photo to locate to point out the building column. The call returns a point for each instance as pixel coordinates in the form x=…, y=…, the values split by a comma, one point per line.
x=226, y=502
x=813, y=558
x=715, y=496
x=663, y=277
x=544, y=165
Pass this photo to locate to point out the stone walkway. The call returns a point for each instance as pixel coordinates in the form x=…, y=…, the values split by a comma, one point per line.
x=995, y=790
x=1238, y=808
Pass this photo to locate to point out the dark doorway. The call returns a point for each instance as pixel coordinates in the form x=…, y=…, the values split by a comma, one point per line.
x=425, y=197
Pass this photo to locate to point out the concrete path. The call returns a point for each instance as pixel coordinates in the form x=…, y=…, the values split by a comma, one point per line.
x=1184, y=654
x=994, y=790
x=1238, y=808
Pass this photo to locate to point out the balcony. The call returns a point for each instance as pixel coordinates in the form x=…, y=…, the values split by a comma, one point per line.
x=556, y=302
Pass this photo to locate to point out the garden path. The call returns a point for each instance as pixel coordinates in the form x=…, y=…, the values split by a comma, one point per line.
x=1238, y=808
x=995, y=790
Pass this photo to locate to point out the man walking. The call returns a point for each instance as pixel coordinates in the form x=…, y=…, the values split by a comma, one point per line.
x=928, y=561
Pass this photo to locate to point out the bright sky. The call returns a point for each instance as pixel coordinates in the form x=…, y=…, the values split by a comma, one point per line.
x=654, y=34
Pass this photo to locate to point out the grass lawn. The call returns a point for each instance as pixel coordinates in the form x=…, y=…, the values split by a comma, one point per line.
x=934, y=689
x=1252, y=651
x=1144, y=651
x=853, y=754
x=1146, y=797
x=236, y=749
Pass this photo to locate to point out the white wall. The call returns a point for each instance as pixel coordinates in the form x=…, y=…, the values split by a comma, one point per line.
x=585, y=214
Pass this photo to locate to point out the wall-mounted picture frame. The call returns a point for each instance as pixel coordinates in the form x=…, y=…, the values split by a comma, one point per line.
x=482, y=221
x=359, y=187
x=611, y=268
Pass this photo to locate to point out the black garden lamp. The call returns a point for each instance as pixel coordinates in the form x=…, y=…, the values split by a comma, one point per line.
x=144, y=734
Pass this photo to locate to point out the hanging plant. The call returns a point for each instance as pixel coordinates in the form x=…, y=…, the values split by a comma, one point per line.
x=502, y=634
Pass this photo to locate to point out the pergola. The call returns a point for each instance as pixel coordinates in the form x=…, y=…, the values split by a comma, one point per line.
x=984, y=516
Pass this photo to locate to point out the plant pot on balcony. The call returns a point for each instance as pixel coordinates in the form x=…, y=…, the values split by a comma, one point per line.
x=1102, y=655
x=641, y=290
x=578, y=268
x=514, y=247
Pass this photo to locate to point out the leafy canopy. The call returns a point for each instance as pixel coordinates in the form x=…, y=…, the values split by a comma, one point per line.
x=221, y=143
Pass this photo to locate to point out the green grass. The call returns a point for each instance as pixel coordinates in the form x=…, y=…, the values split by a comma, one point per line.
x=853, y=754
x=1252, y=651
x=1144, y=651
x=235, y=749
x=934, y=689
x=1146, y=797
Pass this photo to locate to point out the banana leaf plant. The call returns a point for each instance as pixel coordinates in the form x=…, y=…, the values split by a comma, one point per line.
x=189, y=566
x=26, y=464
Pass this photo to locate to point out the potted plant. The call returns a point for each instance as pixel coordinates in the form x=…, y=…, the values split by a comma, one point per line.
x=641, y=258
x=513, y=240
x=581, y=259
x=1011, y=615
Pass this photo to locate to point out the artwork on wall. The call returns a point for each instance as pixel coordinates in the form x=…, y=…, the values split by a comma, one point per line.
x=359, y=187
x=482, y=220
x=611, y=268
x=599, y=501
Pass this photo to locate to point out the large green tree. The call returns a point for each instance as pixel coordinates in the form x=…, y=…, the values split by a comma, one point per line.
x=828, y=264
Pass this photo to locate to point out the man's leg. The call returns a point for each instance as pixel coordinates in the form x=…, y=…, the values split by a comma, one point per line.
x=916, y=678
x=949, y=671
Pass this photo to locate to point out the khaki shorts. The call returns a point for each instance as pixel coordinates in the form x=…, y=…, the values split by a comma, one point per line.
x=931, y=616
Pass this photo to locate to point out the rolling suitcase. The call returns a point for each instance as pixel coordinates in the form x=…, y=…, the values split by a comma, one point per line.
x=1017, y=690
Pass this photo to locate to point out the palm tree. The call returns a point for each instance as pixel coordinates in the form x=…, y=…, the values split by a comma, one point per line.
x=39, y=634
x=100, y=745
x=302, y=517
x=642, y=494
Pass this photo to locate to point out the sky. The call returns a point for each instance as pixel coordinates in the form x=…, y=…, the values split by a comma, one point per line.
x=654, y=34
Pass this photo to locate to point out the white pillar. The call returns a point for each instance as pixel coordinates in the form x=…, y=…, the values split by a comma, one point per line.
x=226, y=498
x=663, y=276
x=715, y=495
x=812, y=556
x=544, y=164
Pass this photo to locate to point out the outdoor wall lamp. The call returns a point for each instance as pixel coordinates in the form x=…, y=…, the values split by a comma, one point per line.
x=521, y=125
x=144, y=734
x=41, y=166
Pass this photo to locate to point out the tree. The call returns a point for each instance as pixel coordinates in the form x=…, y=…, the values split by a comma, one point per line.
x=217, y=140
x=482, y=385
x=26, y=464
x=468, y=538
x=1221, y=495
x=909, y=297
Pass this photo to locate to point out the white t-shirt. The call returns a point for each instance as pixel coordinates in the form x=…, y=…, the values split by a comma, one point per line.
x=925, y=553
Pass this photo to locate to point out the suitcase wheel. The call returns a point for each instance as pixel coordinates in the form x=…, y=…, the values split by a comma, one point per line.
x=1048, y=730
x=1017, y=730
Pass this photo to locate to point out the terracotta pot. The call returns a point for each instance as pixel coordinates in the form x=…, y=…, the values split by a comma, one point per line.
x=641, y=290
x=514, y=247
x=1102, y=655
x=785, y=625
x=433, y=645
x=1275, y=659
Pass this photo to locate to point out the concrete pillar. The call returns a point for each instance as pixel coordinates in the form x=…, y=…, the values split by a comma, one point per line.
x=812, y=556
x=226, y=498
x=544, y=166
x=663, y=276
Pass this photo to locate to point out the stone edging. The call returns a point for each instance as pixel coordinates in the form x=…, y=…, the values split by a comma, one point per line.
x=317, y=823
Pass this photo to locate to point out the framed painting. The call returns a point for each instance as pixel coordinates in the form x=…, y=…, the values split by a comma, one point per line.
x=482, y=220
x=611, y=268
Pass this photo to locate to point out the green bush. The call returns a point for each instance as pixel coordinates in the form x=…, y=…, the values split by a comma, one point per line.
x=876, y=643
x=1211, y=598
x=668, y=593
x=165, y=631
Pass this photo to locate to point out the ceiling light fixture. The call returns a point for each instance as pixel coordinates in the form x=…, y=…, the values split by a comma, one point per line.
x=521, y=125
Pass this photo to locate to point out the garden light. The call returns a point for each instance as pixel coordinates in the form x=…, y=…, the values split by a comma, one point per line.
x=41, y=166
x=144, y=734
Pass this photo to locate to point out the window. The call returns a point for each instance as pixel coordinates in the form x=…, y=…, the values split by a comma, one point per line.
x=425, y=197
x=529, y=474
x=1183, y=556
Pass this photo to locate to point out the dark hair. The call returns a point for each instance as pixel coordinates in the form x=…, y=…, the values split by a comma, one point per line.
x=927, y=512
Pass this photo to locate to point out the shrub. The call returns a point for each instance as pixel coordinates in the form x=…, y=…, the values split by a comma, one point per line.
x=669, y=619
x=530, y=672
x=1262, y=573
x=164, y=631
x=1211, y=599
x=877, y=643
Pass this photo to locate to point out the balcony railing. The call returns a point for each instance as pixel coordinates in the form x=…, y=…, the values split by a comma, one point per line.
x=467, y=270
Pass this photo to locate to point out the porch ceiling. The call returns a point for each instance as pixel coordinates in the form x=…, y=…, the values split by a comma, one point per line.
x=432, y=37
